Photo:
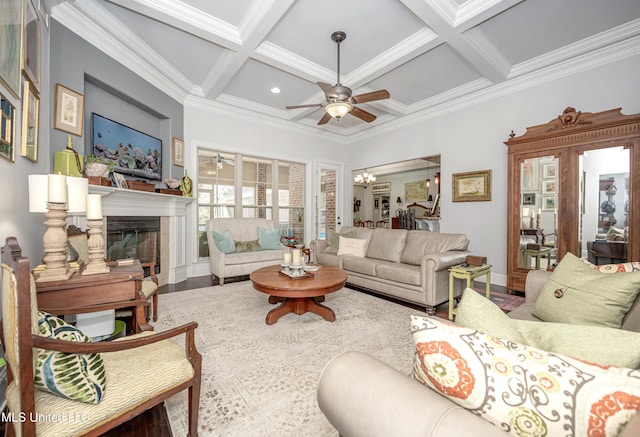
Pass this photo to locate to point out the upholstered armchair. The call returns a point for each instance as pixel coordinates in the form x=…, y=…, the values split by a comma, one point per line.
x=119, y=379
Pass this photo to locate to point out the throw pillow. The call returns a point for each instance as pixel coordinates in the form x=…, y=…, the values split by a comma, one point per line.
x=80, y=377
x=520, y=389
x=614, y=268
x=597, y=344
x=352, y=246
x=615, y=234
x=269, y=239
x=578, y=294
x=224, y=241
x=247, y=246
x=333, y=240
x=479, y=313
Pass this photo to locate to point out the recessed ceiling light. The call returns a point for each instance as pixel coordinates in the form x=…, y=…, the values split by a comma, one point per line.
x=275, y=90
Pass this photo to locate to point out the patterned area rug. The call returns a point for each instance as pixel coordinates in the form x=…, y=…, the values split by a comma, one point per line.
x=506, y=302
x=261, y=380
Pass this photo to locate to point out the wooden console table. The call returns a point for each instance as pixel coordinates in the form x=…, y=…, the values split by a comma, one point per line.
x=122, y=283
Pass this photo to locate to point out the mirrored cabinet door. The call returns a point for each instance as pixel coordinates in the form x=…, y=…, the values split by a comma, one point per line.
x=574, y=186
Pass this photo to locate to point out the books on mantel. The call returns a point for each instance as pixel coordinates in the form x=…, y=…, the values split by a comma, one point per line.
x=125, y=261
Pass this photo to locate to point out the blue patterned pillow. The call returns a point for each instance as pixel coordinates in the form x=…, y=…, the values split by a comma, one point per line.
x=80, y=377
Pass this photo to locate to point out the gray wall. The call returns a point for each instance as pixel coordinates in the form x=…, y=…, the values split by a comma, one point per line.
x=113, y=91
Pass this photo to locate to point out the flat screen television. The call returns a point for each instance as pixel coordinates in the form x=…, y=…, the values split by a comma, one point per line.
x=135, y=153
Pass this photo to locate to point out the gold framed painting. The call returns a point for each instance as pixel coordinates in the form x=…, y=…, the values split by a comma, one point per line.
x=31, y=44
x=178, y=152
x=30, y=116
x=473, y=186
x=11, y=45
x=7, y=129
x=69, y=110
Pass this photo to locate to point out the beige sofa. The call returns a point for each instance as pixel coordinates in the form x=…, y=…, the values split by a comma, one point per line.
x=238, y=264
x=361, y=396
x=407, y=265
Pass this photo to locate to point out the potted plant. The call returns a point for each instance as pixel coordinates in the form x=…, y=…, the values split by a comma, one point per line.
x=96, y=165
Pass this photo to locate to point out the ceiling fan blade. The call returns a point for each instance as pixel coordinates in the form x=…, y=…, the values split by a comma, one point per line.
x=370, y=97
x=304, y=106
x=328, y=90
x=325, y=118
x=362, y=114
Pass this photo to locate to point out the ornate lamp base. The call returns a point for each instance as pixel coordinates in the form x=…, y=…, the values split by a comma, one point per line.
x=55, y=244
x=96, y=262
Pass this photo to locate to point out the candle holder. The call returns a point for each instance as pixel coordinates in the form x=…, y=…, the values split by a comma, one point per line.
x=538, y=221
x=56, y=266
x=531, y=222
x=96, y=262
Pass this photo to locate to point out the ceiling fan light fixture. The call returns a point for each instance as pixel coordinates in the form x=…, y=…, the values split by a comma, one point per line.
x=338, y=109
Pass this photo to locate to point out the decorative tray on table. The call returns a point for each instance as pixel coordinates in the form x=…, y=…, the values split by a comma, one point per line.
x=300, y=274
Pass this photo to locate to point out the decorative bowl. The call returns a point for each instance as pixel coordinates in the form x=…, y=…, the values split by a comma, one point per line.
x=172, y=183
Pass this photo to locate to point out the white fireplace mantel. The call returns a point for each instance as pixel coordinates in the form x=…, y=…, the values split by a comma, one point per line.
x=122, y=202
x=134, y=203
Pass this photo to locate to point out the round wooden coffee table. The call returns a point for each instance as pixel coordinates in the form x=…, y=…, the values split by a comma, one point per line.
x=298, y=295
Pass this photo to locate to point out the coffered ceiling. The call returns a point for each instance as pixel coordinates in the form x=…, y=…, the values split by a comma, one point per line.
x=431, y=55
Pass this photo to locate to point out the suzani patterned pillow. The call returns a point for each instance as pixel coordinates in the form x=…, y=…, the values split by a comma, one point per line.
x=615, y=268
x=521, y=389
x=79, y=377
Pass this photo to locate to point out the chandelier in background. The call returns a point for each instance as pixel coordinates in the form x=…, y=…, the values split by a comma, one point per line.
x=364, y=178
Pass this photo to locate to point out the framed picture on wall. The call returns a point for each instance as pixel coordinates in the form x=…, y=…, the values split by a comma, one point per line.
x=30, y=116
x=178, y=152
x=69, y=110
x=529, y=175
x=11, y=45
x=473, y=186
x=549, y=187
x=549, y=203
x=528, y=199
x=7, y=129
x=549, y=171
x=31, y=52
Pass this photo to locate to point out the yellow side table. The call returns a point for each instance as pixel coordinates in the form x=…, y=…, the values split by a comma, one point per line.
x=470, y=273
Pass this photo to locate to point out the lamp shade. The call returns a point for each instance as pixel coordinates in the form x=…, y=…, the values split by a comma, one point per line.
x=399, y=200
x=38, y=192
x=430, y=198
x=77, y=190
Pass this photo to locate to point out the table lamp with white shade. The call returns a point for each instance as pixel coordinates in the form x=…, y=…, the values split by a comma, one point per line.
x=56, y=195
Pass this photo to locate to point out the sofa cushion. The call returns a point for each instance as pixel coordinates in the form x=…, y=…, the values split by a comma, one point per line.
x=254, y=257
x=333, y=239
x=269, y=239
x=80, y=377
x=398, y=272
x=224, y=241
x=521, y=389
x=421, y=243
x=328, y=259
x=364, y=266
x=597, y=344
x=578, y=294
x=387, y=244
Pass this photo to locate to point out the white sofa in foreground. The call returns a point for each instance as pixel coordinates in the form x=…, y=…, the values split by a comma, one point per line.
x=237, y=264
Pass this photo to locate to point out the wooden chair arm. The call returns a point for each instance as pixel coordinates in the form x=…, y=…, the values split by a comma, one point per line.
x=99, y=307
x=109, y=346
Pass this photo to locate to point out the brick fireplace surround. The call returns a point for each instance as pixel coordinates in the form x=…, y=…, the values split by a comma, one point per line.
x=172, y=211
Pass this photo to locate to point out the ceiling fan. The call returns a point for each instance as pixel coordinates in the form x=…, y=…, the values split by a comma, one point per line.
x=340, y=102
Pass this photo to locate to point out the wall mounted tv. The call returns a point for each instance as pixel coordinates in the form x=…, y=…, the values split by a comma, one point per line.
x=135, y=153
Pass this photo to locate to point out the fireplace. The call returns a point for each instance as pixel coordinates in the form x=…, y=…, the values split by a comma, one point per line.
x=134, y=237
